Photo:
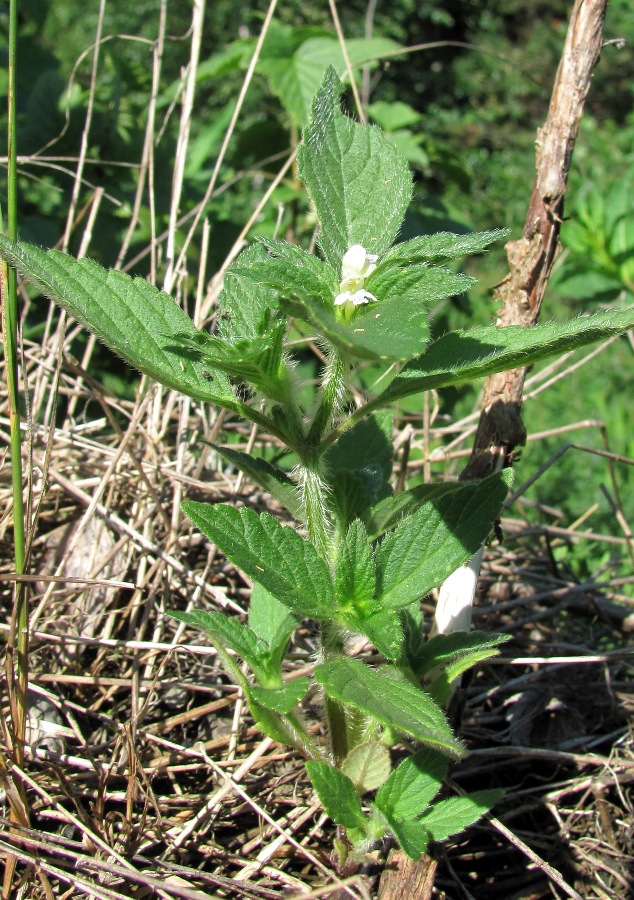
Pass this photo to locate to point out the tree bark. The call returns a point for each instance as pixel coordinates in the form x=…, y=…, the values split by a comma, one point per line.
x=531, y=258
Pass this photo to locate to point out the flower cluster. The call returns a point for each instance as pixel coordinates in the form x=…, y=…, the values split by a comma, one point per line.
x=357, y=264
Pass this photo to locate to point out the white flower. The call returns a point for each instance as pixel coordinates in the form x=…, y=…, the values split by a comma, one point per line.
x=356, y=265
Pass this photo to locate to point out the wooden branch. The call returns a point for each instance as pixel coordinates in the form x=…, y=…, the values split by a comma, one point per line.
x=531, y=258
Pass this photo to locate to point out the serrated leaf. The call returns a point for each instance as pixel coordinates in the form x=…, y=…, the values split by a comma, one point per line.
x=337, y=794
x=417, y=286
x=355, y=579
x=412, y=837
x=449, y=817
x=431, y=543
x=459, y=357
x=400, y=705
x=358, y=183
x=269, y=619
x=442, y=245
x=239, y=638
x=368, y=443
x=282, y=699
x=129, y=315
x=276, y=557
x=387, y=513
x=367, y=766
x=446, y=649
x=412, y=785
x=382, y=628
x=246, y=309
x=271, y=479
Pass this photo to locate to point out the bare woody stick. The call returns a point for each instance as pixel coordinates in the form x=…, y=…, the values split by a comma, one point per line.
x=531, y=258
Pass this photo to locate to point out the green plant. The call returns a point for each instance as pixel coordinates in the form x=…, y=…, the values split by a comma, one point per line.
x=368, y=555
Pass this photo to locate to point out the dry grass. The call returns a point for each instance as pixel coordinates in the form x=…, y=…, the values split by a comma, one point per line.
x=144, y=775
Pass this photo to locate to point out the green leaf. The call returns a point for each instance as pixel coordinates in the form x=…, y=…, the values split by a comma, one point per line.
x=412, y=785
x=460, y=357
x=449, y=817
x=226, y=630
x=282, y=699
x=447, y=649
x=442, y=245
x=129, y=315
x=295, y=79
x=337, y=794
x=367, y=766
x=269, y=721
x=393, y=116
x=382, y=628
x=441, y=687
x=358, y=183
x=355, y=579
x=416, y=286
x=400, y=705
x=411, y=836
x=431, y=543
x=271, y=479
x=276, y=557
x=391, y=510
x=269, y=619
x=246, y=309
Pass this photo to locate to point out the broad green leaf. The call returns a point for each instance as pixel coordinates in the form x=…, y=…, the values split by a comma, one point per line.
x=271, y=479
x=247, y=309
x=369, y=443
x=337, y=794
x=367, y=766
x=355, y=578
x=449, y=817
x=388, y=512
x=392, y=329
x=412, y=838
x=296, y=78
x=382, y=628
x=129, y=315
x=226, y=630
x=416, y=286
x=269, y=619
x=430, y=544
x=459, y=357
x=393, y=116
x=446, y=649
x=399, y=705
x=443, y=245
x=282, y=699
x=412, y=785
x=276, y=557
x=358, y=183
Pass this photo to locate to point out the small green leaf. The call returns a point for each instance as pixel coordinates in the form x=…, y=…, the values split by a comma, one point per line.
x=400, y=705
x=359, y=184
x=355, y=579
x=337, y=794
x=449, y=817
x=446, y=649
x=368, y=443
x=431, y=543
x=382, y=628
x=388, y=512
x=246, y=308
x=269, y=619
x=443, y=245
x=412, y=837
x=282, y=699
x=271, y=479
x=276, y=557
x=412, y=785
x=367, y=766
x=226, y=630
x=129, y=315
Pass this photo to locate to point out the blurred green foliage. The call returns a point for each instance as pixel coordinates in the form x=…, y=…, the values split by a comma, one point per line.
x=463, y=110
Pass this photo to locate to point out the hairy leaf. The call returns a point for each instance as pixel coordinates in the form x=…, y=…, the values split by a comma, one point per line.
x=282, y=699
x=412, y=785
x=337, y=794
x=276, y=557
x=399, y=704
x=449, y=817
x=271, y=479
x=367, y=766
x=355, y=579
x=359, y=184
x=443, y=245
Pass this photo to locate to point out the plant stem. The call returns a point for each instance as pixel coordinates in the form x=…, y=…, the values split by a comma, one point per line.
x=332, y=396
